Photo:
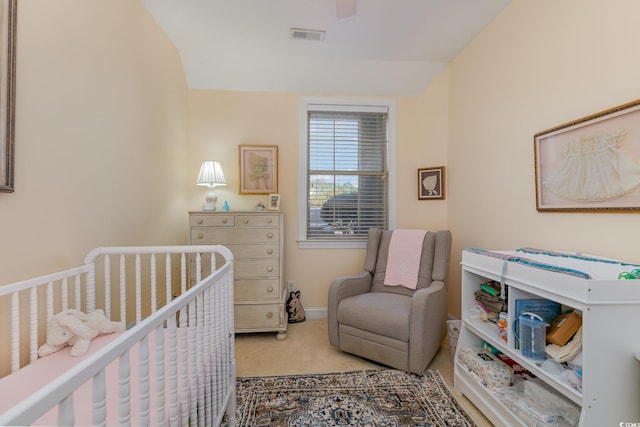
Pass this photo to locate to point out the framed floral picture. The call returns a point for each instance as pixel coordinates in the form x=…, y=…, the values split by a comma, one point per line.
x=590, y=164
x=431, y=183
x=258, y=169
x=274, y=202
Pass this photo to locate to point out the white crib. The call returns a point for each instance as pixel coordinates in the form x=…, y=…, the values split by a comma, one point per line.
x=174, y=365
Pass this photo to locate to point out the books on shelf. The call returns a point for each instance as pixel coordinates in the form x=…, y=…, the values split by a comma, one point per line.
x=544, y=308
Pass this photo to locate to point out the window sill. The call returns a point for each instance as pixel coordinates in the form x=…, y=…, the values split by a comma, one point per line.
x=331, y=244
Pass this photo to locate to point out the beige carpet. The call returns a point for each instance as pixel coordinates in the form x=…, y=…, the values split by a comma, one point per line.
x=307, y=351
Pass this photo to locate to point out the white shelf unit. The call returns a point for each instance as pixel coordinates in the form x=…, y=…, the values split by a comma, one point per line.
x=610, y=332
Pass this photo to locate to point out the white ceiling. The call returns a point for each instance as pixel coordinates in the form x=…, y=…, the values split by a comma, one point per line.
x=389, y=47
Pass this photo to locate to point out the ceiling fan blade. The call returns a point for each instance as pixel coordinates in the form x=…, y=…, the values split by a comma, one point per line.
x=346, y=8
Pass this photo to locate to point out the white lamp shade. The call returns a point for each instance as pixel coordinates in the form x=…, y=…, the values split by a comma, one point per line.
x=211, y=174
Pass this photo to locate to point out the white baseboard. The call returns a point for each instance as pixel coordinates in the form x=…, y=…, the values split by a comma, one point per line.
x=315, y=313
x=321, y=313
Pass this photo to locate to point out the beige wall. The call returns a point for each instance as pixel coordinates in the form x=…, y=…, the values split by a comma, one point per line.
x=538, y=65
x=109, y=140
x=100, y=134
x=220, y=121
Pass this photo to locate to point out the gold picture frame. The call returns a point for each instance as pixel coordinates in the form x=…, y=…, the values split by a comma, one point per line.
x=590, y=164
x=8, y=19
x=431, y=183
x=258, y=169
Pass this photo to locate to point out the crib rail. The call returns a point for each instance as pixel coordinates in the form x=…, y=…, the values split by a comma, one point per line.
x=182, y=334
x=27, y=306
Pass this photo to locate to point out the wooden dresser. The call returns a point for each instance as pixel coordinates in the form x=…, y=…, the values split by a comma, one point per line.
x=257, y=242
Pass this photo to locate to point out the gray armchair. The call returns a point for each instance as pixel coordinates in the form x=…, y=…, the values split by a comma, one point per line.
x=392, y=325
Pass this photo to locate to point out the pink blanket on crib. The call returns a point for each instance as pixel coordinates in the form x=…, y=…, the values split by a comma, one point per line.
x=22, y=384
x=403, y=259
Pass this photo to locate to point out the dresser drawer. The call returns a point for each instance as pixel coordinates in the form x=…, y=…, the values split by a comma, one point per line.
x=254, y=268
x=255, y=251
x=258, y=316
x=212, y=221
x=266, y=290
x=224, y=236
x=248, y=221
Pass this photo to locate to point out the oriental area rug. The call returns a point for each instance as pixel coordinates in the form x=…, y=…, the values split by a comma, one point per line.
x=376, y=398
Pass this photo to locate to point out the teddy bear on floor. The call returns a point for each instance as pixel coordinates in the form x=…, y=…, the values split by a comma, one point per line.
x=76, y=329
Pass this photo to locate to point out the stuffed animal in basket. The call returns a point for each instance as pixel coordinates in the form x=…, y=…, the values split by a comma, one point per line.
x=294, y=308
x=76, y=329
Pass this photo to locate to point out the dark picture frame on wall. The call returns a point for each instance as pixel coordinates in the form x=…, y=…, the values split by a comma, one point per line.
x=431, y=183
x=7, y=93
x=591, y=164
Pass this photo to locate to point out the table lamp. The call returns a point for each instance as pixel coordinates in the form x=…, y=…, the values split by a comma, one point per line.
x=211, y=175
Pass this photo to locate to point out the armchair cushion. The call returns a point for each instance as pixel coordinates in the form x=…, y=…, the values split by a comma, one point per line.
x=392, y=314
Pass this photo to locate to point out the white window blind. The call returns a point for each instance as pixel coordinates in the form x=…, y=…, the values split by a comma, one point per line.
x=347, y=186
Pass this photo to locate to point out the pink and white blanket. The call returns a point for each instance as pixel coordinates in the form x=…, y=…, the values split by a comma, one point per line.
x=403, y=260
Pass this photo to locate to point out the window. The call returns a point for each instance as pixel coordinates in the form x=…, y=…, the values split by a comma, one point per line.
x=346, y=183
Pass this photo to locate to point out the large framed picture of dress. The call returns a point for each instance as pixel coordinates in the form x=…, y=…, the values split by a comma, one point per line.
x=590, y=164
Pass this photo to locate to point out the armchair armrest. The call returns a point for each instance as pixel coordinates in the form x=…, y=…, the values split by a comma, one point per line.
x=428, y=314
x=340, y=288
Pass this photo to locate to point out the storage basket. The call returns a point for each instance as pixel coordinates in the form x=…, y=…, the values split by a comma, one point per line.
x=453, y=331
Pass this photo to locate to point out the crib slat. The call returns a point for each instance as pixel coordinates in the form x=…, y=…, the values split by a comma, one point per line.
x=200, y=365
x=49, y=300
x=167, y=277
x=124, y=390
x=184, y=369
x=66, y=413
x=193, y=363
x=123, y=289
x=160, y=377
x=65, y=294
x=154, y=299
x=78, y=296
x=138, y=291
x=33, y=326
x=15, y=331
x=183, y=274
x=143, y=367
x=198, y=267
x=173, y=373
x=99, y=386
x=209, y=401
x=107, y=286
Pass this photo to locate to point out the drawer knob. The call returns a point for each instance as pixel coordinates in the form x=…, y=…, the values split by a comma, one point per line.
x=269, y=315
x=200, y=235
x=200, y=221
x=246, y=221
x=270, y=289
x=269, y=220
x=269, y=251
x=270, y=235
x=269, y=269
x=224, y=221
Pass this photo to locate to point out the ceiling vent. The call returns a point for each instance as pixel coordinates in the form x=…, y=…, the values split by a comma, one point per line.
x=303, y=34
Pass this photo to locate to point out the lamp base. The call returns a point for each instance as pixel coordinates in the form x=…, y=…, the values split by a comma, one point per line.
x=210, y=200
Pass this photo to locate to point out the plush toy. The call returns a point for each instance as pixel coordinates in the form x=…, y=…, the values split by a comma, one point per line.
x=76, y=329
x=294, y=308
